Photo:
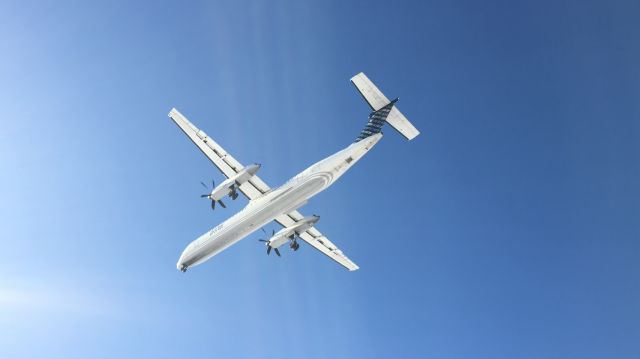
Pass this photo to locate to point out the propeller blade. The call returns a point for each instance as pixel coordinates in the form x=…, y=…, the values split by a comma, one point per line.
x=222, y=204
x=262, y=240
x=204, y=195
x=213, y=184
x=277, y=251
x=273, y=232
x=204, y=185
x=268, y=250
x=263, y=231
x=213, y=205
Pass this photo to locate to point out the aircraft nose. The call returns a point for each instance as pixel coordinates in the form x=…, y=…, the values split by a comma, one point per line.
x=181, y=265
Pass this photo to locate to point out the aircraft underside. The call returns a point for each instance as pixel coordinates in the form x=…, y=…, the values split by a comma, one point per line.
x=281, y=204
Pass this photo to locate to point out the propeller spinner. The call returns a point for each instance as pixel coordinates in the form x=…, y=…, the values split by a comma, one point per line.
x=267, y=242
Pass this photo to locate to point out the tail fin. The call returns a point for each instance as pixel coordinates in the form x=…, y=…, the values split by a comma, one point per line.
x=383, y=110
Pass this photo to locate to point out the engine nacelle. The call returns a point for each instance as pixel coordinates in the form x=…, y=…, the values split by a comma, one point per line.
x=230, y=186
x=290, y=233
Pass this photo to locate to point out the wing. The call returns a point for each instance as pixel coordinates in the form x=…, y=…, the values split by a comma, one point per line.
x=228, y=165
x=255, y=187
x=317, y=240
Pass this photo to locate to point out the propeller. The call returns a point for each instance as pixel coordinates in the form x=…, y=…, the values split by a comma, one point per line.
x=208, y=195
x=275, y=249
x=267, y=242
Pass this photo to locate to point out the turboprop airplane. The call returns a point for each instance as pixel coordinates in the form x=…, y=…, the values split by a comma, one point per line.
x=281, y=204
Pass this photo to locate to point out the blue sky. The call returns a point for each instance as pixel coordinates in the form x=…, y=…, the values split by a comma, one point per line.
x=509, y=229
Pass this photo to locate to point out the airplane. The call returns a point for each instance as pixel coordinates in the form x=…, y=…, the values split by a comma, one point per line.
x=281, y=204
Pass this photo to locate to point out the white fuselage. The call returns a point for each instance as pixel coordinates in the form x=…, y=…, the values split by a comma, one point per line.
x=284, y=199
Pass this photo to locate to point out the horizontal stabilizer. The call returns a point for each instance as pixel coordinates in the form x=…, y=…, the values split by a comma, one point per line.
x=374, y=97
x=377, y=100
x=397, y=120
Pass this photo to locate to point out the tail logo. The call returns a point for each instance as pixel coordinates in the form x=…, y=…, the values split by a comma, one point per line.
x=377, y=119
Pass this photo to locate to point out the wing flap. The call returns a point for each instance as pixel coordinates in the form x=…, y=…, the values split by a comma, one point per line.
x=324, y=245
